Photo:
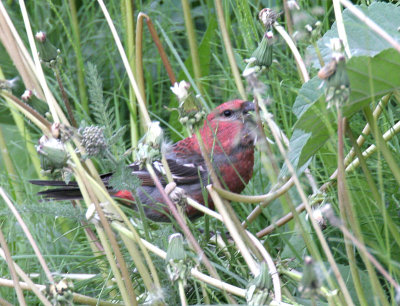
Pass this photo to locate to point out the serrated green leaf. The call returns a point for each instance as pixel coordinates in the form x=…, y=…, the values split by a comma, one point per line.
x=370, y=79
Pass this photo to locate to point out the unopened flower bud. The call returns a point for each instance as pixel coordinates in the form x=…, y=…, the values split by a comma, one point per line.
x=154, y=135
x=263, y=53
x=178, y=265
x=47, y=51
x=311, y=281
x=52, y=153
x=257, y=292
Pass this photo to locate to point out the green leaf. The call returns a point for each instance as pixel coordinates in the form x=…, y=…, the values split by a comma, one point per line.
x=370, y=79
x=362, y=41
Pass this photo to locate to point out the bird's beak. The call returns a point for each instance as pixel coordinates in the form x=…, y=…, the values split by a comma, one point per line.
x=248, y=106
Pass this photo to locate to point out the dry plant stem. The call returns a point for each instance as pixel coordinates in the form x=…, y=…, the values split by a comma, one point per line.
x=191, y=36
x=29, y=112
x=132, y=229
x=55, y=109
x=204, y=209
x=90, y=197
x=239, y=243
x=139, y=53
x=157, y=41
x=182, y=295
x=140, y=98
x=302, y=67
x=371, y=24
x=11, y=268
x=271, y=267
x=195, y=273
x=189, y=236
x=12, y=42
x=65, y=97
x=229, y=49
x=28, y=235
x=340, y=27
x=77, y=298
x=28, y=282
x=282, y=221
x=344, y=207
x=137, y=257
x=272, y=195
x=314, y=223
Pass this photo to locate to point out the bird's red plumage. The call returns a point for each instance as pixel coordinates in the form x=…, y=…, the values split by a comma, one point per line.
x=228, y=136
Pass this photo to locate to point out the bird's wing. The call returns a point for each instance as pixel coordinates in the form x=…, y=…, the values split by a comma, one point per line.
x=181, y=173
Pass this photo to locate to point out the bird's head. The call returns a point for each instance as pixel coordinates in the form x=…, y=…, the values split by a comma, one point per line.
x=229, y=126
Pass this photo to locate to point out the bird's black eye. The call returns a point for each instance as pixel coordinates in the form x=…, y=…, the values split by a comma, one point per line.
x=227, y=113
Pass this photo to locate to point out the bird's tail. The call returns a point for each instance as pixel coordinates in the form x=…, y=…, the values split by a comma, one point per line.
x=64, y=191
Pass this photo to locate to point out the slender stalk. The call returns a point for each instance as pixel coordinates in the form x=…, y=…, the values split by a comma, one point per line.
x=65, y=97
x=239, y=243
x=10, y=264
x=340, y=26
x=345, y=209
x=288, y=17
x=271, y=268
x=140, y=98
x=228, y=48
x=182, y=295
x=29, y=112
x=299, y=61
x=191, y=36
x=128, y=12
x=79, y=59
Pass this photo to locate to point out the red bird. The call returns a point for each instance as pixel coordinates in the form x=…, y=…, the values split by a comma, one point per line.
x=228, y=134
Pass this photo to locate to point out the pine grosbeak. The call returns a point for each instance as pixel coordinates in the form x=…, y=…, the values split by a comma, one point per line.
x=228, y=135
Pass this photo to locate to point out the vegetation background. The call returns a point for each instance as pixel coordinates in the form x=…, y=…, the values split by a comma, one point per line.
x=350, y=257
